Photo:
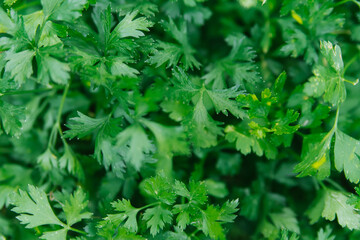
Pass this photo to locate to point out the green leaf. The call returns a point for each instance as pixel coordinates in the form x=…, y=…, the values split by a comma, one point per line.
x=210, y=224
x=69, y=10
x=157, y=218
x=282, y=125
x=197, y=193
x=166, y=53
x=238, y=66
x=13, y=177
x=216, y=189
x=325, y=234
x=128, y=27
x=228, y=164
x=170, y=140
x=49, y=6
x=19, y=65
x=160, y=188
x=34, y=208
x=70, y=162
x=48, y=160
x=222, y=100
x=228, y=210
x=11, y=117
x=10, y=2
x=108, y=153
x=75, y=207
x=257, y=108
x=315, y=156
x=279, y=83
x=333, y=55
x=285, y=220
x=202, y=129
x=124, y=234
x=6, y=24
x=83, y=125
x=51, y=68
x=347, y=151
x=329, y=204
x=328, y=81
x=120, y=68
x=174, y=53
x=55, y=235
x=196, y=197
x=138, y=143
x=127, y=213
x=247, y=144
x=284, y=235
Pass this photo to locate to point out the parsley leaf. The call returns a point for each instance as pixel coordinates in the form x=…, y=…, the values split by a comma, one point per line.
x=156, y=218
x=11, y=117
x=172, y=53
x=329, y=204
x=238, y=66
x=347, y=151
x=34, y=208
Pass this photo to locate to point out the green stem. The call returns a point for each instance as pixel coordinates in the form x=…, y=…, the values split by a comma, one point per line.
x=149, y=205
x=356, y=2
x=53, y=136
x=336, y=119
x=345, y=1
x=316, y=184
x=300, y=134
x=57, y=126
x=27, y=5
x=322, y=184
x=58, y=119
x=353, y=83
x=78, y=231
x=335, y=184
x=351, y=61
x=29, y=91
x=330, y=134
x=194, y=233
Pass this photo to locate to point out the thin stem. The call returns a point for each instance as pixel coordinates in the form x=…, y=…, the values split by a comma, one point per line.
x=300, y=134
x=194, y=233
x=351, y=61
x=316, y=184
x=27, y=5
x=336, y=119
x=58, y=119
x=53, y=136
x=149, y=205
x=57, y=126
x=329, y=135
x=5, y=150
x=30, y=91
x=335, y=184
x=322, y=184
x=78, y=231
x=351, y=82
x=341, y=2
x=345, y=1
x=356, y=2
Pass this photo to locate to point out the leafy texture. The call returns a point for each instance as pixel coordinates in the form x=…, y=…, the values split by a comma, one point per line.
x=35, y=210
x=159, y=120
x=238, y=66
x=172, y=53
x=160, y=214
x=333, y=204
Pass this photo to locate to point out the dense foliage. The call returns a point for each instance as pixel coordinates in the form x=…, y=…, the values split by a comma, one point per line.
x=179, y=119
